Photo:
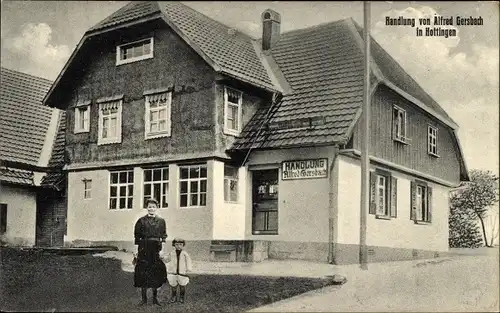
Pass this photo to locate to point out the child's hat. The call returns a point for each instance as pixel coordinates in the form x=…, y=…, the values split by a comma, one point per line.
x=178, y=240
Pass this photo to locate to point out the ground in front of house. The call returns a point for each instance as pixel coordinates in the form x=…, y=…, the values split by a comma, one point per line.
x=33, y=280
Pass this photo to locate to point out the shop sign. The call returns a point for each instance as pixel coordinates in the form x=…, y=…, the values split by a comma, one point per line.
x=304, y=169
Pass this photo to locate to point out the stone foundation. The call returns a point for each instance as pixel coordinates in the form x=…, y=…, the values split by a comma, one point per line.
x=260, y=250
x=197, y=249
x=349, y=254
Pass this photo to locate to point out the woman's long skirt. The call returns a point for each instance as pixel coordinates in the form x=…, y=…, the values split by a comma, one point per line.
x=150, y=271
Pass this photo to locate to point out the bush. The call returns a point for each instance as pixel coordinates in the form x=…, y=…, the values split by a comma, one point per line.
x=464, y=230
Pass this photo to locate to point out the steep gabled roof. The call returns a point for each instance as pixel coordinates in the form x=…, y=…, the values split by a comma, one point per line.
x=227, y=51
x=324, y=66
x=24, y=120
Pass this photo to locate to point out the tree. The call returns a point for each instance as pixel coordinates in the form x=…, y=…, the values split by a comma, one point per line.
x=478, y=196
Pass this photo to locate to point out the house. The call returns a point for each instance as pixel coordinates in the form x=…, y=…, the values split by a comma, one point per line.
x=250, y=146
x=27, y=140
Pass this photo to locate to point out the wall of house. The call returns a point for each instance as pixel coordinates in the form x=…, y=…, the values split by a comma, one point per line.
x=175, y=65
x=91, y=222
x=413, y=155
x=303, y=209
x=394, y=239
x=252, y=100
x=228, y=217
x=21, y=214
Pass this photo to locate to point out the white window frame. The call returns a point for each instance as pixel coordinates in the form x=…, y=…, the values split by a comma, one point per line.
x=432, y=135
x=227, y=104
x=421, y=194
x=120, y=61
x=401, y=134
x=189, y=180
x=164, y=181
x=118, y=114
x=87, y=189
x=118, y=186
x=228, y=181
x=385, y=209
x=86, y=119
x=147, y=115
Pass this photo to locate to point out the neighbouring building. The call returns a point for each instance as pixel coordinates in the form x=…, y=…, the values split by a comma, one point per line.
x=250, y=146
x=27, y=138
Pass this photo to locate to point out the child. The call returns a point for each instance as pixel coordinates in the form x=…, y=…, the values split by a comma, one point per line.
x=179, y=264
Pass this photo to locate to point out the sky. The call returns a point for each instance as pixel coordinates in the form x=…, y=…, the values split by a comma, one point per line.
x=461, y=73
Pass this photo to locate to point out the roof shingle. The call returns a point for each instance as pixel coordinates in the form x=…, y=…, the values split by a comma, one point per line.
x=15, y=176
x=24, y=121
x=234, y=52
x=324, y=67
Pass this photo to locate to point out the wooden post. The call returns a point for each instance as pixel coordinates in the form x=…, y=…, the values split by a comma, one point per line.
x=365, y=148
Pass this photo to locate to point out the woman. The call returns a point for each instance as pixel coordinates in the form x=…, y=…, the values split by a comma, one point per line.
x=150, y=233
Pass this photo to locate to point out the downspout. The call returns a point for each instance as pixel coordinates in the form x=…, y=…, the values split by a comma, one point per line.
x=332, y=216
x=276, y=99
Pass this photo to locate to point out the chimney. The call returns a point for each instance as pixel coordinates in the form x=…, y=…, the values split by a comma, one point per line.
x=271, y=21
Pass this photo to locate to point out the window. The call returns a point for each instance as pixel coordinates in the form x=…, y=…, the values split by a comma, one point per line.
x=421, y=198
x=82, y=117
x=134, y=51
x=121, y=189
x=193, y=185
x=157, y=119
x=3, y=218
x=232, y=111
x=110, y=122
x=383, y=194
x=156, y=185
x=399, y=125
x=230, y=184
x=87, y=189
x=432, y=140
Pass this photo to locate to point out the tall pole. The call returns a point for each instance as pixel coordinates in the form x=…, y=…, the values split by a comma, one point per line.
x=365, y=148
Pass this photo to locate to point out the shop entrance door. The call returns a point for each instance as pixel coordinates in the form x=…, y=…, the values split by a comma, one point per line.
x=265, y=202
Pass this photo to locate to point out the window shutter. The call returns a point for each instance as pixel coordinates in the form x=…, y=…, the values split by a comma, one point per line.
x=394, y=196
x=413, y=195
x=429, y=204
x=373, y=204
x=394, y=121
x=3, y=218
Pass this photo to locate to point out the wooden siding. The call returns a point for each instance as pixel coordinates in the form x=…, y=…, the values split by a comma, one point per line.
x=174, y=65
x=414, y=155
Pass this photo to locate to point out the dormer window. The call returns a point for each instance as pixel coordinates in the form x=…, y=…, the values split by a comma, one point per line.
x=134, y=51
x=232, y=111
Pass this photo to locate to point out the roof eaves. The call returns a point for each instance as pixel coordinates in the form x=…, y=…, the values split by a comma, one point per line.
x=464, y=172
x=46, y=99
x=246, y=79
x=272, y=68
